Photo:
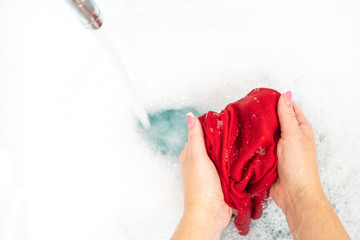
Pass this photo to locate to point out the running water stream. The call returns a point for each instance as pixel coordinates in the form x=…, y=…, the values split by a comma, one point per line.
x=109, y=48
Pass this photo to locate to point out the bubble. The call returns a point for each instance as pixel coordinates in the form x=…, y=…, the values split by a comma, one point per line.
x=168, y=132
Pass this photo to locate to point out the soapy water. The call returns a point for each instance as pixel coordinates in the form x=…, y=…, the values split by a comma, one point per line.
x=264, y=228
x=168, y=132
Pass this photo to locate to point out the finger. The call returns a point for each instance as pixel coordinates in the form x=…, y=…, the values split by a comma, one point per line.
x=273, y=193
x=196, y=142
x=300, y=117
x=304, y=124
x=288, y=123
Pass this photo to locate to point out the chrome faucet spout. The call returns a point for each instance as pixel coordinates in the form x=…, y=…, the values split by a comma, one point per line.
x=88, y=13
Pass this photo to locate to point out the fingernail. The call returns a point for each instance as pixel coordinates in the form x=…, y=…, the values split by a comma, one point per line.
x=190, y=119
x=288, y=97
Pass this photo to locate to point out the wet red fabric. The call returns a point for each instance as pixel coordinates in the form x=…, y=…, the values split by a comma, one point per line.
x=242, y=141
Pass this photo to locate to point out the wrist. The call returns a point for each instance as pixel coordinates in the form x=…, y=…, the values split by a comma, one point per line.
x=203, y=222
x=302, y=201
x=302, y=197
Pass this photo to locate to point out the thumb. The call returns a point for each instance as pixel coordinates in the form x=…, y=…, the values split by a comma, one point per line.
x=287, y=118
x=275, y=192
x=196, y=142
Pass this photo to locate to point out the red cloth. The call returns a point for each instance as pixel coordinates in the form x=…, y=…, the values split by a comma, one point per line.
x=241, y=141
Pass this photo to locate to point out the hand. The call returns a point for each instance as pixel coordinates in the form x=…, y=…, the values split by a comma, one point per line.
x=297, y=164
x=206, y=214
x=298, y=190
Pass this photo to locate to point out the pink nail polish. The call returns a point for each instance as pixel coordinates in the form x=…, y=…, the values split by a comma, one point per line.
x=288, y=97
x=190, y=119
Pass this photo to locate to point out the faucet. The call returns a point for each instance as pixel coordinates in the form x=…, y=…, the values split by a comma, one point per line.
x=88, y=13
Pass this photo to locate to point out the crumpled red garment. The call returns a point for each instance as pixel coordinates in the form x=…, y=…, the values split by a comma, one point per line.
x=242, y=141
